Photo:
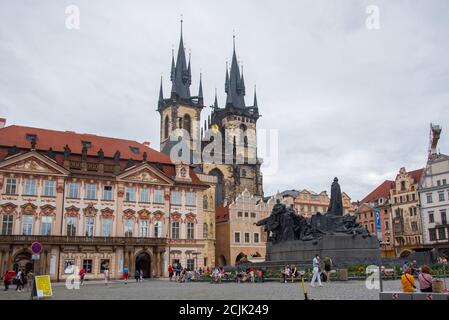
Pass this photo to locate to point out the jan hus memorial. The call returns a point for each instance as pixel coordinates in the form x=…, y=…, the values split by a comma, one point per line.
x=293, y=238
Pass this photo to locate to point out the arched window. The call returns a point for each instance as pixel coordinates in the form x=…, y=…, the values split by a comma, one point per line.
x=166, y=127
x=205, y=231
x=187, y=123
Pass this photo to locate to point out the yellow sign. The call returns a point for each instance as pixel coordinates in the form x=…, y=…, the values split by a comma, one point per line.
x=43, y=286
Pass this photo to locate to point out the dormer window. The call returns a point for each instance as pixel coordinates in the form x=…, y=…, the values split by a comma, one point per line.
x=31, y=137
x=134, y=150
x=86, y=144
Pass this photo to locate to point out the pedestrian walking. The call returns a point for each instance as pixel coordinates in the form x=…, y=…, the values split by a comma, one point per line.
x=82, y=273
x=425, y=279
x=327, y=268
x=260, y=276
x=170, y=272
x=30, y=278
x=178, y=270
x=19, y=280
x=141, y=275
x=106, y=275
x=7, y=278
x=408, y=281
x=316, y=271
x=137, y=275
x=125, y=274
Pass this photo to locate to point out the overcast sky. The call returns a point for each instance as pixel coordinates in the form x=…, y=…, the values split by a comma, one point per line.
x=348, y=101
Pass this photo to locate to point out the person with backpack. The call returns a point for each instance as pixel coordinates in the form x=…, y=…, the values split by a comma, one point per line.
x=408, y=281
x=327, y=268
x=425, y=279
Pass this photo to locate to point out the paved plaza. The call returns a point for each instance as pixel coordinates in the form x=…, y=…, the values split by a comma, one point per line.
x=165, y=290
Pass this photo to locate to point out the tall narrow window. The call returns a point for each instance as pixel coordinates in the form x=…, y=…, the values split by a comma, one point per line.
x=89, y=226
x=30, y=187
x=49, y=188
x=175, y=230
x=143, y=229
x=187, y=124
x=256, y=237
x=106, y=227
x=47, y=223
x=7, y=224
x=176, y=197
x=191, y=199
x=128, y=227
x=129, y=194
x=11, y=186
x=71, y=226
x=107, y=193
x=190, y=230
x=158, y=196
x=158, y=229
x=27, y=225
x=144, y=195
x=205, y=231
x=73, y=190
x=443, y=217
x=91, y=191
x=166, y=127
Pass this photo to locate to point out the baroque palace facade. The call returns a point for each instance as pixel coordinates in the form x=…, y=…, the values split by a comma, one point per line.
x=97, y=202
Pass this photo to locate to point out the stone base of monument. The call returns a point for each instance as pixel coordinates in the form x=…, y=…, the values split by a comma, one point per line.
x=343, y=249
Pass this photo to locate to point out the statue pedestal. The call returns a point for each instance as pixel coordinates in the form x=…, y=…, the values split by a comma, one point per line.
x=341, y=248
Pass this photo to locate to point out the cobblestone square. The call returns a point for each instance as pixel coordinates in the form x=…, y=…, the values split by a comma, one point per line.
x=165, y=290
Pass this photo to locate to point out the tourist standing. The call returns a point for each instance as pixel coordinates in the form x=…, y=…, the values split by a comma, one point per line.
x=316, y=271
x=106, y=275
x=19, y=280
x=141, y=275
x=170, y=272
x=137, y=275
x=126, y=274
x=328, y=268
x=260, y=276
x=178, y=270
x=425, y=279
x=30, y=278
x=7, y=278
x=82, y=273
x=408, y=281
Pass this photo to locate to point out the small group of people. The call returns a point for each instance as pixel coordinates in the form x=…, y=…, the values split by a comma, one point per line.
x=425, y=279
x=21, y=278
x=218, y=274
x=249, y=275
x=182, y=274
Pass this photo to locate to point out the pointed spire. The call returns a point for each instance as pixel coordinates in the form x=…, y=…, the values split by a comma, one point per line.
x=216, y=100
x=242, y=83
x=181, y=79
x=227, y=79
x=200, y=90
x=161, y=95
x=255, y=98
x=173, y=70
x=235, y=92
x=189, y=70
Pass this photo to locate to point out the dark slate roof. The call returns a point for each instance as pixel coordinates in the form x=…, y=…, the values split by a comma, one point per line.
x=235, y=85
x=181, y=76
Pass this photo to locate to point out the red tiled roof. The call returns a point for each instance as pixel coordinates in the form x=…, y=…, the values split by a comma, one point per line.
x=16, y=136
x=221, y=214
x=416, y=174
x=381, y=191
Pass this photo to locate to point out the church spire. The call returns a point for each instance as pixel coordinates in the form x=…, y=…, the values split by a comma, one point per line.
x=161, y=96
x=255, y=98
x=180, y=77
x=200, y=90
x=236, y=90
x=216, y=100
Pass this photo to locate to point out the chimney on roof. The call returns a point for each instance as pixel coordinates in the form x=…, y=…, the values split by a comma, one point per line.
x=2, y=122
x=146, y=143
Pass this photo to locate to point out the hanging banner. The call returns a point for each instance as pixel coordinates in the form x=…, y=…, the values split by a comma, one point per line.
x=378, y=224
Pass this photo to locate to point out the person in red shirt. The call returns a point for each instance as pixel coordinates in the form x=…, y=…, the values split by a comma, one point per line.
x=7, y=278
x=82, y=273
x=170, y=272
